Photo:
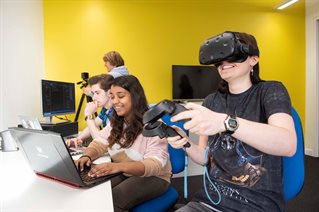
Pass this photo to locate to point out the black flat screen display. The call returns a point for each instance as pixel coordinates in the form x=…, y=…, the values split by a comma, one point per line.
x=58, y=98
x=194, y=82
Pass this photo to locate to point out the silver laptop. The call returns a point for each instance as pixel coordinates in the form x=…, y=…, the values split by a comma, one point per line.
x=49, y=157
x=33, y=123
x=30, y=123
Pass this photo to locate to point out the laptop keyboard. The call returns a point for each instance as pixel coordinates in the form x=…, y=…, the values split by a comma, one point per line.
x=91, y=180
x=84, y=174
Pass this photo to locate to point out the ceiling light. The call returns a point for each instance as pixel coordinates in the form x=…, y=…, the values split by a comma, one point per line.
x=285, y=4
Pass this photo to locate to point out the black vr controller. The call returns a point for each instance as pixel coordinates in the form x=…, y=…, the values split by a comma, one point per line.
x=153, y=127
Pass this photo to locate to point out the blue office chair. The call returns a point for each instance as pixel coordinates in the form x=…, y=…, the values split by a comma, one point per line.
x=167, y=200
x=293, y=167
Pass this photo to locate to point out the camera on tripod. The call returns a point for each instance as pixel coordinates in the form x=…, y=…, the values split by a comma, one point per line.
x=84, y=82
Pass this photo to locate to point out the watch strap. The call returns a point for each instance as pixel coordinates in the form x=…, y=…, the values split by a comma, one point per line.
x=89, y=117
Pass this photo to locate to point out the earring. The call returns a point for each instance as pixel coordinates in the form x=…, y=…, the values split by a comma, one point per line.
x=252, y=72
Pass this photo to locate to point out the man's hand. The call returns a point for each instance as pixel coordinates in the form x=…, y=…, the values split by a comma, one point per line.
x=91, y=107
x=74, y=142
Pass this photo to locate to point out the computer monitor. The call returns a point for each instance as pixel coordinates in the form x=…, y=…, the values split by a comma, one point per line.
x=58, y=98
x=194, y=82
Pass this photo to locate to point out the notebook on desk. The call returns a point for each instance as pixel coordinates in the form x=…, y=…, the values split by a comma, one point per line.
x=49, y=157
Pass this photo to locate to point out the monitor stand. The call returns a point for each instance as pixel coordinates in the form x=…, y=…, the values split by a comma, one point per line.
x=49, y=120
x=65, y=128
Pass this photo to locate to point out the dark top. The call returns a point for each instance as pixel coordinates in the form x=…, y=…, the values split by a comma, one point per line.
x=248, y=179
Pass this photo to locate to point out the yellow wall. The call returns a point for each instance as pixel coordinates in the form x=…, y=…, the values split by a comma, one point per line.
x=153, y=35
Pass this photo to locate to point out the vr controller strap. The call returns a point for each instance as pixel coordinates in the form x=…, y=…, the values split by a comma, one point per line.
x=206, y=175
x=185, y=175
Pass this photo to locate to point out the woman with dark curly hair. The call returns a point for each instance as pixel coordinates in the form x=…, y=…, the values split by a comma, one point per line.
x=144, y=161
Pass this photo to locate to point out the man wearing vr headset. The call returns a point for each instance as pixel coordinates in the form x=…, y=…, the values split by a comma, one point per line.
x=246, y=126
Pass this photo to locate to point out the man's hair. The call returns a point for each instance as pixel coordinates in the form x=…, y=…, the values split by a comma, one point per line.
x=114, y=58
x=104, y=80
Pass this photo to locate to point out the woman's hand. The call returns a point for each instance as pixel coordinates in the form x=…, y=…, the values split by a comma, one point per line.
x=74, y=142
x=202, y=120
x=103, y=169
x=178, y=142
x=83, y=161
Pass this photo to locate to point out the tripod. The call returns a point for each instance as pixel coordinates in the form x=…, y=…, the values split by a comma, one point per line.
x=88, y=99
x=85, y=77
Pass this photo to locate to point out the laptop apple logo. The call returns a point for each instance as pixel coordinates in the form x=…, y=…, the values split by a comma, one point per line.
x=40, y=152
x=39, y=149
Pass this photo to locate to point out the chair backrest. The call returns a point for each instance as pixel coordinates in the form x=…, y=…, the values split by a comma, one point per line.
x=177, y=156
x=293, y=167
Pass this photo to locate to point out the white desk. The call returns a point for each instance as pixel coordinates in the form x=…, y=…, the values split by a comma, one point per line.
x=22, y=190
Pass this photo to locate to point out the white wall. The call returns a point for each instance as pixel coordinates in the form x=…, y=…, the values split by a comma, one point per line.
x=312, y=69
x=21, y=60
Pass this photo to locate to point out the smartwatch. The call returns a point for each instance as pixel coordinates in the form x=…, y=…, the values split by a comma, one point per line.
x=90, y=117
x=231, y=124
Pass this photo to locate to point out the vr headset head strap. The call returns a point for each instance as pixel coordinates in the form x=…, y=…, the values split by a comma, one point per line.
x=244, y=48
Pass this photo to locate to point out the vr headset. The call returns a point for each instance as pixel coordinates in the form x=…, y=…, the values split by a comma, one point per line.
x=225, y=47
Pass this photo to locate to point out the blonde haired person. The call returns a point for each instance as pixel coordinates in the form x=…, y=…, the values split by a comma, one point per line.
x=115, y=66
x=114, y=63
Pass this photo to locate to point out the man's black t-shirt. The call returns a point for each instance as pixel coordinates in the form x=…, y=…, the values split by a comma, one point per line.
x=247, y=179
